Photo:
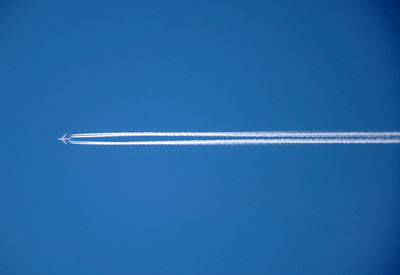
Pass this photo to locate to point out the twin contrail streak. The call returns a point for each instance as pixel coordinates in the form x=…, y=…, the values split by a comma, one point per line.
x=240, y=142
x=240, y=134
x=236, y=138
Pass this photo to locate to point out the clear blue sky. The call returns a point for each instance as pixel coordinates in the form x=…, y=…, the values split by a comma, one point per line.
x=87, y=66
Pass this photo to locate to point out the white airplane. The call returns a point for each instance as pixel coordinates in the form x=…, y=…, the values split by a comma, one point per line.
x=64, y=138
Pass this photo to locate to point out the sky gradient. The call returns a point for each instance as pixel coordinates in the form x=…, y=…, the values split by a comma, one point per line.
x=101, y=66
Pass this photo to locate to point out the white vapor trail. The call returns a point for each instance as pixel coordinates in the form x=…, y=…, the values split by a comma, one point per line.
x=245, y=141
x=237, y=138
x=244, y=134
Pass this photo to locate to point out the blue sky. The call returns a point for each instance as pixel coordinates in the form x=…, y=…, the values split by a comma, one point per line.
x=198, y=66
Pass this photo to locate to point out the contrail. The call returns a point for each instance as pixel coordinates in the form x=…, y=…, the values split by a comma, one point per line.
x=242, y=134
x=236, y=138
x=243, y=141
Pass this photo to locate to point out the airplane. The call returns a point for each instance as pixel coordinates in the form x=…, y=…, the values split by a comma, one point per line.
x=64, y=139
